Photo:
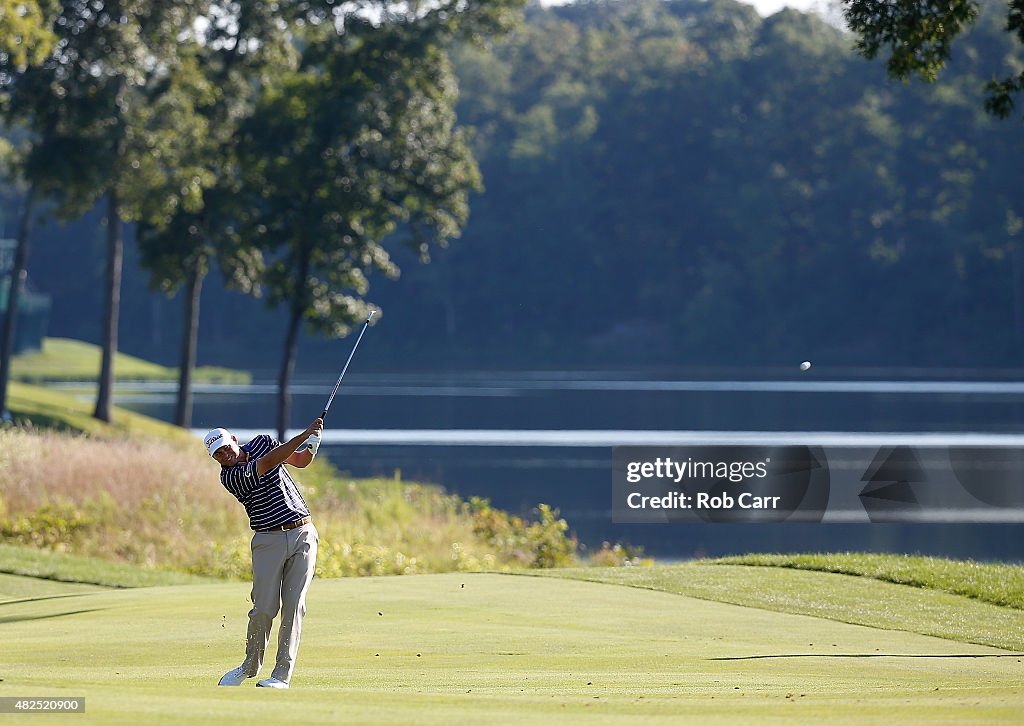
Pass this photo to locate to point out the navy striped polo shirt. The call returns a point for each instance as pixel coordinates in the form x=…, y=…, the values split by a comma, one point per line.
x=270, y=500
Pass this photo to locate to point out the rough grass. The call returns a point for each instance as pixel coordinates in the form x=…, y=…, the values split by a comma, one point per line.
x=997, y=583
x=20, y=587
x=62, y=359
x=54, y=567
x=154, y=503
x=146, y=502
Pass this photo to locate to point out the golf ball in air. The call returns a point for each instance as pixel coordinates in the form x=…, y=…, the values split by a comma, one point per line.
x=806, y=365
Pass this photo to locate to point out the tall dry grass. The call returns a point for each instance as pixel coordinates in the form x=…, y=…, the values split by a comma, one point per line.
x=145, y=502
x=36, y=467
x=151, y=503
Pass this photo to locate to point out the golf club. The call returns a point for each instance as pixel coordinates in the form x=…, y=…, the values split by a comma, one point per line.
x=327, y=406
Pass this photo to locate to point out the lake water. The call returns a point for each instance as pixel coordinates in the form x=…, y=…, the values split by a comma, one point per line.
x=524, y=438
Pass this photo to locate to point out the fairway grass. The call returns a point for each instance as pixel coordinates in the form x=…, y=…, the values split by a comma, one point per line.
x=489, y=648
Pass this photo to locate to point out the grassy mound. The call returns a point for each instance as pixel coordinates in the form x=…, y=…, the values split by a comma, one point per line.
x=997, y=583
x=36, y=407
x=861, y=601
x=62, y=359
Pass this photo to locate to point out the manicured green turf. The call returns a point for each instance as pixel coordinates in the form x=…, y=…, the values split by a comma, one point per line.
x=62, y=359
x=847, y=599
x=997, y=583
x=55, y=567
x=486, y=648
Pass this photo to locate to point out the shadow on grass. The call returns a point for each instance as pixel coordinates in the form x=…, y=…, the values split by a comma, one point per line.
x=872, y=655
x=55, y=577
x=59, y=596
x=20, y=618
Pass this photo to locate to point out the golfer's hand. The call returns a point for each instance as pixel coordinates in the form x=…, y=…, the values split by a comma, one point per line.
x=313, y=435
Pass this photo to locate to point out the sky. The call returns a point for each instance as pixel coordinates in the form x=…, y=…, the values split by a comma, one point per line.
x=764, y=7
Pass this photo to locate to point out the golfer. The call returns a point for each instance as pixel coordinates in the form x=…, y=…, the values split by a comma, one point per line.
x=283, y=546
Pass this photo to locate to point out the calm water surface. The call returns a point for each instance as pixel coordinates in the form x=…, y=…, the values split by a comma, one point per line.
x=524, y=438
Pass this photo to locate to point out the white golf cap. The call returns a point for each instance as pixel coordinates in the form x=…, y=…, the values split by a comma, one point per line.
x=216, y=439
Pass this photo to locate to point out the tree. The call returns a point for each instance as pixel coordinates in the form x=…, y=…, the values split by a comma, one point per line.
x=233, y=61
x=98, y=107
x=25, y=38
x=25, y=33
x=358, y=146
x=919, y=38
x=19, y=272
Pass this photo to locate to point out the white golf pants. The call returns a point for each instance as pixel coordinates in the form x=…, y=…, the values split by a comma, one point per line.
x=282, y=568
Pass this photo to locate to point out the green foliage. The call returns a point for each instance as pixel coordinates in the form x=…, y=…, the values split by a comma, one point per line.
x=112, y=115
x=56, y=525
x=25, y=33
x=221, y=76
x=919, y=37
x=358, y=145
x=735, y=160
x=619, y=555
x=103, y=120
x=541, y=544
x=664, y=175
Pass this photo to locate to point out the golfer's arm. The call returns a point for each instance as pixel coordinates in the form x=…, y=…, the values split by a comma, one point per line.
x=280, y=455
x=300, y=459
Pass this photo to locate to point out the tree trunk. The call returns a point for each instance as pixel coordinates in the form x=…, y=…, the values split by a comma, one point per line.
x=115, y=254
x=189, y=342
x=18, y=275
x=298, y=307
x=284, y=397
x=1018, y=302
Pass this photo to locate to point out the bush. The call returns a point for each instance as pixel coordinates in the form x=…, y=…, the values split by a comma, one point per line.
x=542, y=544
x=619, y=555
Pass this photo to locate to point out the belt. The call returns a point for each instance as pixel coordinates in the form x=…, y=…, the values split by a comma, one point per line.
x=290, y=525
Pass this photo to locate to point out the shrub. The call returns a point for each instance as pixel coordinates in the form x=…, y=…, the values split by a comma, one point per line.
x=542, y=544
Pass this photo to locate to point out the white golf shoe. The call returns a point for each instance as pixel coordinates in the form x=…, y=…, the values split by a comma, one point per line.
x=271, y=683
x=234, y=677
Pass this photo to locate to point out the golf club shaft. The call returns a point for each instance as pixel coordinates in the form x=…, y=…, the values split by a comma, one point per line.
x=327, y=406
